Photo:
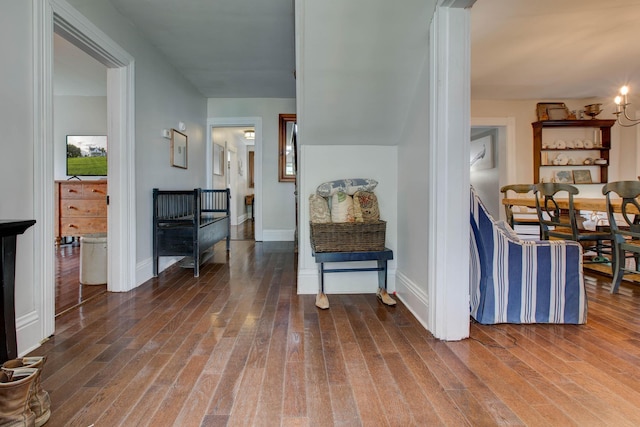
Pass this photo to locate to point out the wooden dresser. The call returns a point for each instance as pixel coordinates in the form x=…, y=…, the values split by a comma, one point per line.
x=81, y=208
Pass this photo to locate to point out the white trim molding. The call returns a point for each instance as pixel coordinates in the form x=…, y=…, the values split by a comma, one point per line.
x=448, y=215
x=278, y=235
x=412, y=296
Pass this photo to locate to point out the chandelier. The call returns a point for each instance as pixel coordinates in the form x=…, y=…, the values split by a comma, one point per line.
x=621, y=108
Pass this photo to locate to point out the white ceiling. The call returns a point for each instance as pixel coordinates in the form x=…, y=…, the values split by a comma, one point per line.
x=537, y=49
x=520, y=49
x=226, y=48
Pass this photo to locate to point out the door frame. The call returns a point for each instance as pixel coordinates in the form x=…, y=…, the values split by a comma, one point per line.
x=256, y=123
x=58, y=16
x=232, y=181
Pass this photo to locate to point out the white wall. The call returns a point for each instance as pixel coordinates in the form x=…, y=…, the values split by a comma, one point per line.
x=327, y=163
x=278, y=206
x=76, y=115
x=413, y=197
x=16, y=144
x=163, y=99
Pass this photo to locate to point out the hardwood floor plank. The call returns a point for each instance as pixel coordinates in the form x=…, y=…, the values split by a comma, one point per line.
x=179, y=391
x=295, y=397
x=244, y=410
x=125, y=402
x=318, y=395
x=271, y=398
x=542, y=373
x=238, y=346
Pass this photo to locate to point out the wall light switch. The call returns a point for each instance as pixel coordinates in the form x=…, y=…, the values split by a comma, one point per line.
x=166, y=133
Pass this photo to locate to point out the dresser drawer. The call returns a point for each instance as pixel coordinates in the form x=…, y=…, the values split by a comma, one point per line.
x=71, y=191
x=83, y=208
x=80, y=226
x=94, y=191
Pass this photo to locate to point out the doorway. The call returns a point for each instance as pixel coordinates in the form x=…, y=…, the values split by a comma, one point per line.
x=233, y=145
x=80, y=125
x=58, y=16
x=489, y=177
x=241, y=124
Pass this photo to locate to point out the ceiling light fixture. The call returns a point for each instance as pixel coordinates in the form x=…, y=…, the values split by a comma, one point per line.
x=249, y=134
x=621, y=108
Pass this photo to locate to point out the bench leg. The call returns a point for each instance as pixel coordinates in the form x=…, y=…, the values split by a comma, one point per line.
x=382, y=293
x=382, y=274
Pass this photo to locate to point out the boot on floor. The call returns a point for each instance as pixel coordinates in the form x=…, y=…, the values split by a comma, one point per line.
x=15, y=387
x=39, y=400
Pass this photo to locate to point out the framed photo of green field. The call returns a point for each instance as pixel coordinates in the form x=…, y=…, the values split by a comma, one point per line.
x=86, y=155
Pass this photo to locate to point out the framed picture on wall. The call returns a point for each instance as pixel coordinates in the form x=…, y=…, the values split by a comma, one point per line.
x=178, y=149
x=481, y=153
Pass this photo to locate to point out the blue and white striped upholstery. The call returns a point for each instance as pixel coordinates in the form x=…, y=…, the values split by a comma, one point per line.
x=523, y=281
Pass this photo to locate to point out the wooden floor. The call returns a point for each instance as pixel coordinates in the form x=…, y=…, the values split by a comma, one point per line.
x=70, y=293
x=238, y=347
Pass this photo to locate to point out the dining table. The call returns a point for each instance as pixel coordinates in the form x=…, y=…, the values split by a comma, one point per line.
x=594, y=204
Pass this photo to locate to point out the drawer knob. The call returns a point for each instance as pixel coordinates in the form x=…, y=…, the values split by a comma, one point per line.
x=72, y=226
x=71, y=190
x=72, y=207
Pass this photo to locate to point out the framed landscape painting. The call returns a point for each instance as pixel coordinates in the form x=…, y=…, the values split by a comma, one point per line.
x=564, y=177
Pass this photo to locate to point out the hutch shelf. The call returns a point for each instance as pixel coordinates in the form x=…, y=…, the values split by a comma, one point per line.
x=547, y=134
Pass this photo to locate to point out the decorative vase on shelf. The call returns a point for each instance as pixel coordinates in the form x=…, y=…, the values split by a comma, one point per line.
x=592, y=110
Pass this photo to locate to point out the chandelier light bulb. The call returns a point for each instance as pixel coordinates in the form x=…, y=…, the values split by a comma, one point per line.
x=622, y=103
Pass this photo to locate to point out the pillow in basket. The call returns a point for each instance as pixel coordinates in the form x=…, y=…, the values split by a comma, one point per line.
x=349, y=186
x=366, y=203
x=341, y=207
x=319, y=209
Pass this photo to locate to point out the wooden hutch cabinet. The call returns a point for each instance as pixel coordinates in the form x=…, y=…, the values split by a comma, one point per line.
x=575, y=142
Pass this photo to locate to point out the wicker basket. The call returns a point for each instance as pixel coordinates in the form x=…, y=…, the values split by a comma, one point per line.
x=348, y=236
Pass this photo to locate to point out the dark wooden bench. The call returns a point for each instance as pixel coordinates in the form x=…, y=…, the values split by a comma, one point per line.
x=189, y=223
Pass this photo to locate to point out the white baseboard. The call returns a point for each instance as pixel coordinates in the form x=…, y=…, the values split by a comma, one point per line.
x=361, y=282
x=144, y=269
x=28, y=332
x=414, y=298
x=278, y=235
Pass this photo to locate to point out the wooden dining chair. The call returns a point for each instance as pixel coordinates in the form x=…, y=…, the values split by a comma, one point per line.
x=512, y=218
x=625, y=226
x=563, y=224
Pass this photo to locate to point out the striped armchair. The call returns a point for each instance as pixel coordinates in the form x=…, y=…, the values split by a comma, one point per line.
x=518, y=281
